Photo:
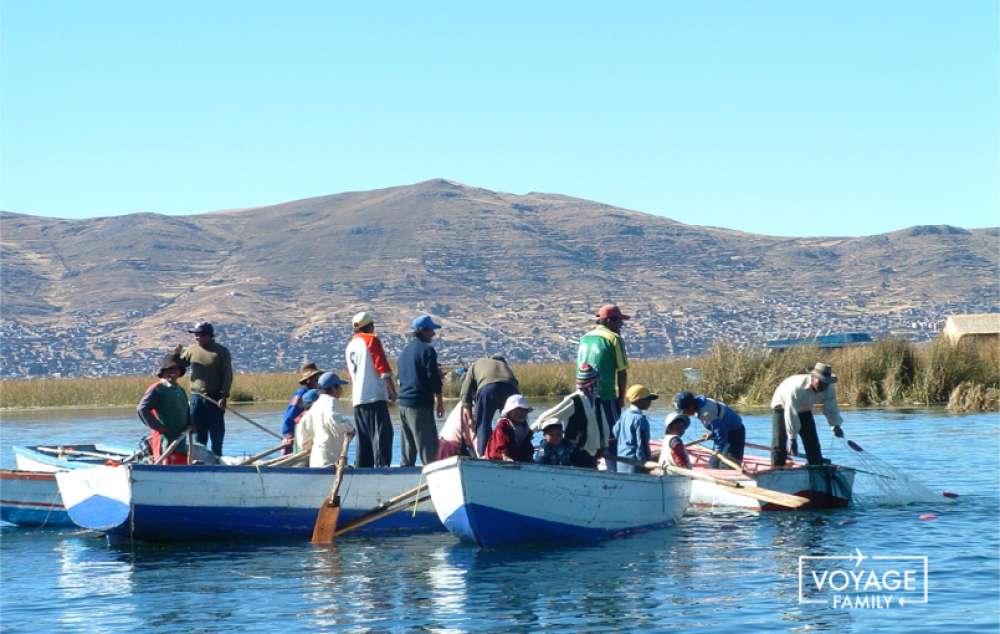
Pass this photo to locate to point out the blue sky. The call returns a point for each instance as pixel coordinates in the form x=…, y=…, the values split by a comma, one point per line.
x=789, y=118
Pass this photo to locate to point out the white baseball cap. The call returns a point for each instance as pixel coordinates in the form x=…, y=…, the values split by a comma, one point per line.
x=516, y=401
x=362, y=319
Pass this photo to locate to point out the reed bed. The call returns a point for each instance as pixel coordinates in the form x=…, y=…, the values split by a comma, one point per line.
x=888, y=373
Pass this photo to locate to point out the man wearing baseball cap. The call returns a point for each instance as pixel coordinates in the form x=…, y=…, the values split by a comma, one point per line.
x=419, y=394
x=211, y=379
x=372, y=389
x=604, y=349
x=792, y=415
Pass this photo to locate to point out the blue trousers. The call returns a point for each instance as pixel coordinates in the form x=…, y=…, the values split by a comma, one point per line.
x=209, y=422
x=489, y=399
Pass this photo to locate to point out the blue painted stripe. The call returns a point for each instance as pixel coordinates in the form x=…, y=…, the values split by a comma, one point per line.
x=99, y=513
x=312, y=471
x=175, y=523
x=25, y=516
x=490, y=527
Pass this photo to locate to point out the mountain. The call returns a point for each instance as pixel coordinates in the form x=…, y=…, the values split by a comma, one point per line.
x=521, y=273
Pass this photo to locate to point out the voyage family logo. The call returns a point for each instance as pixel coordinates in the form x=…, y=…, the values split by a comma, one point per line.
x=858, y=581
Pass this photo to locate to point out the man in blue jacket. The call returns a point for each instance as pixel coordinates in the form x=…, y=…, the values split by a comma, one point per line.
x=419, y=394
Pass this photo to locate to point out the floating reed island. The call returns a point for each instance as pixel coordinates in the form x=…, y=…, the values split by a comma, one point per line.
x=964, y=377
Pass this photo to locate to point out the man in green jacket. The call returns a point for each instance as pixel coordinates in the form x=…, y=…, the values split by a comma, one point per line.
x=164, y=409
x=211, y=379
x=604, y=350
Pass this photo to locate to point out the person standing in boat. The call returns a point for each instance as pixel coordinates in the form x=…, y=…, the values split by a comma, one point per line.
x=419, y=394
x=487, y=385
x=371, y=390
x=672, y=451
x=724, y=425
x=578, y=414
x=211, y=378
x=792, y=416
x=511, y=440
x=310, y=373
x=322, y=427
x=603, y=348
x=164, y=409
x=632, y=429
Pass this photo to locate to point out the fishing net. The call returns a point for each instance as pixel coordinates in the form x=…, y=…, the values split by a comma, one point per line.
x=880, y=483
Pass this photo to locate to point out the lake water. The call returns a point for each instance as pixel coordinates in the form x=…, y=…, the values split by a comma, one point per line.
x=715, y=572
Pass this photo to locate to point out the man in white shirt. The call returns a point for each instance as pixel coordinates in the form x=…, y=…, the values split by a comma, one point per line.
x=792, y=416
x=373, y=387
x=322, y=426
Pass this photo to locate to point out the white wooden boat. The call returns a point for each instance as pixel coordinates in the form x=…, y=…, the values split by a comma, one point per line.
x=502, y=503
x=200, y=502
x=52, y=458
x=828, y=486
x=31, y=498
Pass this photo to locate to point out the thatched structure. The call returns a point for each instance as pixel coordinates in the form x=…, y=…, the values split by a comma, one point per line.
x=981, y=326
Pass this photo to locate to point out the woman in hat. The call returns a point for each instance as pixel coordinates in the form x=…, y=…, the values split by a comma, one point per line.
x=511, y=438
x=164, y=409
x=310, y=373
x=578, y=414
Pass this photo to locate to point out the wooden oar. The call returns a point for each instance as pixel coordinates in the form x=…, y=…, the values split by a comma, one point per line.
x=229, y=409
x=257, y=457
x=370, y=517
x=329, y=510
x=62, y=451
x=722, y=457
x=759, y=493
x=283, y=460
x=170, y=449
x=380, y=510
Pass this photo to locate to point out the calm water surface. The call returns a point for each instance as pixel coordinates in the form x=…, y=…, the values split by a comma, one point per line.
x=715, y=572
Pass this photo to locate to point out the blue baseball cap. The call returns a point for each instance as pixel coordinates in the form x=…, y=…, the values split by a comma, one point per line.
x=424, y=321
x=329, y=379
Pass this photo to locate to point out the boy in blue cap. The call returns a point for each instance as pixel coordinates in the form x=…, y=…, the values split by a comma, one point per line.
x=322, y=427
x=724, y=425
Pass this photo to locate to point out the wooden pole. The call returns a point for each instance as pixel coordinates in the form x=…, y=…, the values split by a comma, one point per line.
x=368, y=518
x=257, y=457
x=255, y=424
x=170, y=449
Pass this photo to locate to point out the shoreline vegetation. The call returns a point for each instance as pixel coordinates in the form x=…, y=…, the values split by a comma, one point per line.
x=964, y=377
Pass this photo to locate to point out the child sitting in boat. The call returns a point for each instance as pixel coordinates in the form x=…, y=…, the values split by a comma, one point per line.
x=673, y=452
x=164, y=409
x=632, y=429
x=578, y=414
x=511, y=438
x=556, y=450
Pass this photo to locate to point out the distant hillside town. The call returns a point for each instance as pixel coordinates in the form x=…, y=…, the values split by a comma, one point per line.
x=91, y=348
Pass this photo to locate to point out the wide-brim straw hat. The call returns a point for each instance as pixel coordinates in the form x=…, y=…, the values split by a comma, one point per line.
x=824, y=372
x=308, y=371
x=171, y=361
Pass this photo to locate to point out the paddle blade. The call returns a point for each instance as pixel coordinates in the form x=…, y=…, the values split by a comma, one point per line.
x=855, y=446
x=326, y=522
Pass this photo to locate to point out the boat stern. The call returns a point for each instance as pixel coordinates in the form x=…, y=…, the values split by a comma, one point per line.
x=97, y=499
